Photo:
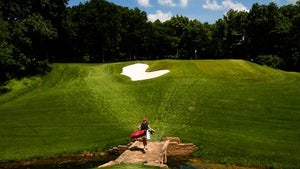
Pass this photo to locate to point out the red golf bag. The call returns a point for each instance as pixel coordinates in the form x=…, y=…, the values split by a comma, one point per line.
x=137, y=134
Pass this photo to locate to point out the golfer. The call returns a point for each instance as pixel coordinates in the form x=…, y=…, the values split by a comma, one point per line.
x=145, y=126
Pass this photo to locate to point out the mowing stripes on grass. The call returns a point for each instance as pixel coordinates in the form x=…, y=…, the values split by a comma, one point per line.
x=235, y=111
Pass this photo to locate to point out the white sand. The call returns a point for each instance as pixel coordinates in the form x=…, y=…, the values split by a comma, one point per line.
x=138, y=72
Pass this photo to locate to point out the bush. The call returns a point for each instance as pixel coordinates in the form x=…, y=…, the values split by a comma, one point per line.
x=270, y=60
x=4, y=90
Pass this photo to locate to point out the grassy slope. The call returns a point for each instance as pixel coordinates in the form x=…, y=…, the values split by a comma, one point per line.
x=236, y=111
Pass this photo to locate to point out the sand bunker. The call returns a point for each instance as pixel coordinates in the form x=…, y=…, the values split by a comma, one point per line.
x=138, y=72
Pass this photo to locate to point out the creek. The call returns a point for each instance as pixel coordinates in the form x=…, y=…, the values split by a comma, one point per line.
x=81, y=161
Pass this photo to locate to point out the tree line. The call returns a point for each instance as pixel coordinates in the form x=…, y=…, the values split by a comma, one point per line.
x=36, y=32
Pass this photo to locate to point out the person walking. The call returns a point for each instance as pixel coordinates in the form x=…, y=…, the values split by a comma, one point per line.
x=145, y=126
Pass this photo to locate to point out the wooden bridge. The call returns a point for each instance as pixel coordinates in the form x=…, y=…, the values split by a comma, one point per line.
x=156, y=153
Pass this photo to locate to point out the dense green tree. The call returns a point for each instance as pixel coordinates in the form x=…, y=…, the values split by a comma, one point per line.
x=293, y=62
x=219, y=32
x=177, y=24
x=194, y=40
x=32, y=36
x=264, y=26
x=39, y=16
x=190, y=39
x=163, y=43
x=175, y=28
x=91, y=24
x=133, y=33
x=107, y=32
x=258, y=30
x=6, y=60
x=30, y=33
x=33, y=32
x=236, y=33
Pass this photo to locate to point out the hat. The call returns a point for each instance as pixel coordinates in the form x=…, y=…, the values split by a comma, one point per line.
x=145, y=119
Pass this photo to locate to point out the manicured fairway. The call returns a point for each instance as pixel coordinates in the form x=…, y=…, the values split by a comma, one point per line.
x=237, y=112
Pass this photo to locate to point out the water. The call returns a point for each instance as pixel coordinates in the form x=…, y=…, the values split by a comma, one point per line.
x=84, y=162
x=179, y=162
x=62, y=162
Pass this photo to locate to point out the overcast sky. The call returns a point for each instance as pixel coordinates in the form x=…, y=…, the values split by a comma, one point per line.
x=203, y=10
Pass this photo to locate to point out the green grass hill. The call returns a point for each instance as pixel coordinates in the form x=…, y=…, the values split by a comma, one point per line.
x=237, y=112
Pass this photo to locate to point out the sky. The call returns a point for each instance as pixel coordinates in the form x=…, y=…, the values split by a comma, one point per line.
x=202, y=10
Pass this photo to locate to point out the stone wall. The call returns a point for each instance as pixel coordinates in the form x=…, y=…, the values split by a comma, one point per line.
x=119, y=149
x=176, y=148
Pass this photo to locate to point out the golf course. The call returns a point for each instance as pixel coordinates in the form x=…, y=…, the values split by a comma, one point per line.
x=236, y=112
